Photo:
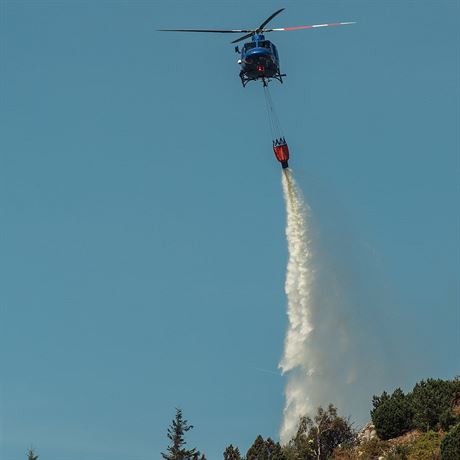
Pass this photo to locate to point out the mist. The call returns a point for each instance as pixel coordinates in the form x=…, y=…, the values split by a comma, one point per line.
x=337, y=349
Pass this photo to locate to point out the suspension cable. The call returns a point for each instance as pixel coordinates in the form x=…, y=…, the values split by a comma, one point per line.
x=269, y=113
x=275, y=125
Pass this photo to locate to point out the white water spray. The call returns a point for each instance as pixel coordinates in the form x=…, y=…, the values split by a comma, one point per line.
x=325, y=362
x=298, y=289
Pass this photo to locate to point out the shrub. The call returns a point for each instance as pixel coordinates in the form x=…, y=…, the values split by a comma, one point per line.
x=432, y=400
x=426, y=447
x=398, y=452
x=344, y=453
x=447, y=419
x=450, y=446
x=374, y=448
x=392, y=415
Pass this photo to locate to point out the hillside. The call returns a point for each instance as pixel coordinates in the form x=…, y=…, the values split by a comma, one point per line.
x=414, y=445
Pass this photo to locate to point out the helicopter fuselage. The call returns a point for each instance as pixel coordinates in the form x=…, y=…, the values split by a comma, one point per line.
x=259, y=61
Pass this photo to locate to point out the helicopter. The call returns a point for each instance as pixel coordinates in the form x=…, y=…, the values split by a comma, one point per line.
x=259, y=58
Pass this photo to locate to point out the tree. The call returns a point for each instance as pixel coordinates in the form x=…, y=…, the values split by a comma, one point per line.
x=329, y=431
x=256, y=451
x=176, y=432
x=301, y=446
x=317, y=438
x=432, y=400
x=274, y=451
x=450, y=445
x=232, y=453
x=31, y=454
x=392, y=415
x=448, y=419
x=265, y=450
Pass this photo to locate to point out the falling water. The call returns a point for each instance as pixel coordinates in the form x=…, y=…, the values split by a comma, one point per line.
x=298, y=289
x=333, y=351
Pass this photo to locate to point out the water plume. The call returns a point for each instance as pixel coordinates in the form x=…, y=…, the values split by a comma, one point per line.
x=298, y=287
x=335, y=349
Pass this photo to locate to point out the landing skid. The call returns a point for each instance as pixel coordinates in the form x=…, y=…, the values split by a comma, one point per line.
x=265, y=80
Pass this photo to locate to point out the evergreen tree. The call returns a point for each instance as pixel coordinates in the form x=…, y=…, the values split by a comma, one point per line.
x=232, y=453
x=31, y=455
x=274, y=450
x=450, y=445
x=256, y=451
x=176, y=433
x=392, y=415
x=432, y=401
x=265, y=450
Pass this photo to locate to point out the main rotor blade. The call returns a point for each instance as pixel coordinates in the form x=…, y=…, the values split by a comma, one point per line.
x=270, y=18
x=216, y=31
x=243, y=37
x=284, y=29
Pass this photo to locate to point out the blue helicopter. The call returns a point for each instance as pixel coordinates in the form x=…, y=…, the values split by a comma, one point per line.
x=259, y=58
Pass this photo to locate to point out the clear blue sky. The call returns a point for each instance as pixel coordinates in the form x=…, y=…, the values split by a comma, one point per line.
x=142, y=222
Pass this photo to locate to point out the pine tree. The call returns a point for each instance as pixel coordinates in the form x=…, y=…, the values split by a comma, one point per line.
x=31, y=455
x=450, y=445
x=176, y=432
x=256, y=451
x=432, y=399
x=392, y=415
x=273, y=449
x=232, y=453
x=265, y=450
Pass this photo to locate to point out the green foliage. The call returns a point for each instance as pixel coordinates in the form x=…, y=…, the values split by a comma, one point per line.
x=392, y=415
x=426, y=447
x=416, y=446
x=232, y=453
x=431, y=401
x=316, y=438
x=301, y=446
x=290, y=453
x=31, y=455
x=330, y=431
x=450, y=445
x=399, y=452
x=374, y=448
x=176, y=433
x=257, y=449
x=447, y=419
x=345, y=453
x=265, y=450
x=428, y=407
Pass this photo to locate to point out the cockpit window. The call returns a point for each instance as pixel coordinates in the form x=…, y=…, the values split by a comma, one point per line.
x=248, y=46
x=265, y=44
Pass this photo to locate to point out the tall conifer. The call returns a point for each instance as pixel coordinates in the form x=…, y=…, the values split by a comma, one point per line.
x=176, y=433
